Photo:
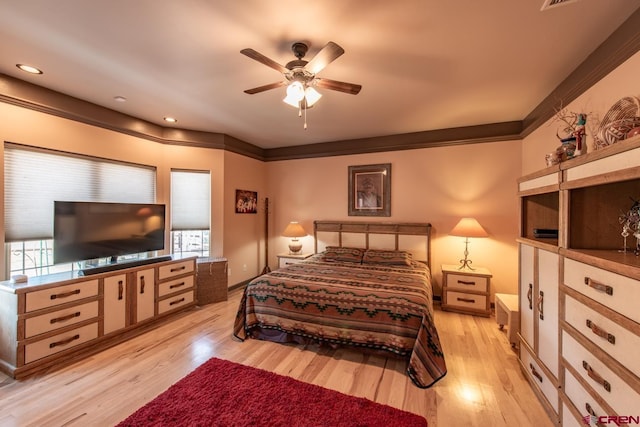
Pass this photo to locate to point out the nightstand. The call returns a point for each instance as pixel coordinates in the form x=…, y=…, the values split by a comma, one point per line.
x=466, y=291
x=288, y=259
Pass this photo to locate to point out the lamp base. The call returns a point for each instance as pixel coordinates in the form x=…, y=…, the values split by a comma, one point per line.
x=295, y=248
x=466, y=262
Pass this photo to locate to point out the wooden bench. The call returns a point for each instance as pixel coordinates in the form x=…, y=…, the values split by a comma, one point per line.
x=508, y=313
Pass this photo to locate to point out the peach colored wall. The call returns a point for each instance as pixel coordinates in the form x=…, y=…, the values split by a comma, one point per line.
x=437, y=185
x=29, y=127
x=621, y=82
x=243, y=233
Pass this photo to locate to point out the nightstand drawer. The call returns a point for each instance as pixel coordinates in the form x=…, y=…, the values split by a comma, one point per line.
x=466, y=301
x=285, y=260
x=467, y=283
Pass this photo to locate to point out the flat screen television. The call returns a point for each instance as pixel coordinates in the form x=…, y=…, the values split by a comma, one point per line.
x=91, y=230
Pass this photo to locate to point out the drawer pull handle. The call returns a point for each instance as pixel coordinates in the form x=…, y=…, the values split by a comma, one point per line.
x=541, y=305
x=530, y=296
x=65, y=318
x=64, y=342
x=469, y=300
x=534, y=372
x=591, y=412
x=598, y=286
x=120, y=289
x=596, y=376
x=65, y=294
x=463, y=282
x=601, y=332
x=182, y=267
x=177, y=285
x=176, y=301
x=141, y=284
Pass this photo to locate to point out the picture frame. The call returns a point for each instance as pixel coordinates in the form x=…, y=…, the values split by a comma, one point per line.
x=370, y=190
x=246, y=202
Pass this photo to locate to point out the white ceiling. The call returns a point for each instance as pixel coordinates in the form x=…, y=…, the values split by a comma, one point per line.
x=423, y=64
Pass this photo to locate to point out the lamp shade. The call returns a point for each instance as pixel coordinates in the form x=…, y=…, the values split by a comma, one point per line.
x=468, y=227
x=294, y=230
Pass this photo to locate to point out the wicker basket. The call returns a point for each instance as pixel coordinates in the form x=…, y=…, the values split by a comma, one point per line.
x=623, y=116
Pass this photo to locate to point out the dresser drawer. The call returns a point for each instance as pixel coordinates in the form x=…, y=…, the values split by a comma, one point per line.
x=582, y=400
x=175, y=302
x=613, y=390
x=175, y=285
x=618, y=292
x=175, y=269
x=467, y=301
x=615, y=340
x=60, y=294
x=58, y=319
x=568, y=420
x=467, y=283
x=538, y=377
x=60, y=342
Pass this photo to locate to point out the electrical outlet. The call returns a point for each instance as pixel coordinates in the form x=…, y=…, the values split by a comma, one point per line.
x=244, y=267
x=228, y=271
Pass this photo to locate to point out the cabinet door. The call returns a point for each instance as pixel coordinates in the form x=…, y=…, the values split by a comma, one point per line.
x=546, y=298
x=527, y=294
x=145, y=294
x=115, y=303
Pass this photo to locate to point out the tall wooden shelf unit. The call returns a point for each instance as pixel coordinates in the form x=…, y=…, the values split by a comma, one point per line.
x=580, y=327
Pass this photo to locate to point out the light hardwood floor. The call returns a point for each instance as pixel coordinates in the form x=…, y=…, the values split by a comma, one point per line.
x=483, y=386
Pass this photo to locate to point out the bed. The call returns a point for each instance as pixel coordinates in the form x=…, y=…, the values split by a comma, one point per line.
x=368, y=287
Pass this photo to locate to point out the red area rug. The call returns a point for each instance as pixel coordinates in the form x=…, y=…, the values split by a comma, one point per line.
x=222, y=393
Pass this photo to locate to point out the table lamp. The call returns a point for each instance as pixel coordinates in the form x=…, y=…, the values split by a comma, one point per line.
x=467, y=227
x=294, y=230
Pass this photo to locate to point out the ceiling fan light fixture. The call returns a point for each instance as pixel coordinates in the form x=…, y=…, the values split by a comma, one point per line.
x=291, y=101
x=311, y=96
x=295, y=91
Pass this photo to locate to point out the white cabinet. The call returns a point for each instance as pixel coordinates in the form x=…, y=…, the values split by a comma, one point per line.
x=115, y=303
x=579, y=292
x=539, y=320
x=144, y=295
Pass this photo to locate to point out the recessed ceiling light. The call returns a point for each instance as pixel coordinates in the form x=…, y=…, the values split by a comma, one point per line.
x=29, y=69
x=170, y=120
x=119, y=98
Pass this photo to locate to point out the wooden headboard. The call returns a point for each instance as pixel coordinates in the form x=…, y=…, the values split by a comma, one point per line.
x=411, y=237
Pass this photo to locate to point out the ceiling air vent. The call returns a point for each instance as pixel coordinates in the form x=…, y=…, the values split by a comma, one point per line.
x=549, y=4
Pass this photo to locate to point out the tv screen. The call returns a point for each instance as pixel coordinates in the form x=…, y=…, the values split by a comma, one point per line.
x=90, y=230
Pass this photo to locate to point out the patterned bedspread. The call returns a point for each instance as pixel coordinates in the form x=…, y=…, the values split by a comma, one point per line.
x=374, y=306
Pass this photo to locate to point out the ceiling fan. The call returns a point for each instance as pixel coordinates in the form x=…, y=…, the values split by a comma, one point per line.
x=301, y=75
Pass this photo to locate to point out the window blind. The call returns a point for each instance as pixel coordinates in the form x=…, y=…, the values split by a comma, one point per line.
x=190, y=200
x=34, y=178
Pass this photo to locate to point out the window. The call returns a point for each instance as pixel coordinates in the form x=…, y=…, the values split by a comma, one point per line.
x=190, y=212
x=35, y=177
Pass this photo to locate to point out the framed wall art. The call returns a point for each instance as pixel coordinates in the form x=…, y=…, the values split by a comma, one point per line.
x=370, y=190
x=246, y=201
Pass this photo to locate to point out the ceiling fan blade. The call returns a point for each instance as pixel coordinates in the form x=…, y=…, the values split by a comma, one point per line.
x=265, y=87
x=264, y=60
x=327, y=55
x=350, y=88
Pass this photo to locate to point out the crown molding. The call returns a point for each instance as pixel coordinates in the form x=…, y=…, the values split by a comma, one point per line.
x=620, y=46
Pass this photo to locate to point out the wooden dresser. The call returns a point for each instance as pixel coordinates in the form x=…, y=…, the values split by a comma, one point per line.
x=580, y=326
x=54, y=319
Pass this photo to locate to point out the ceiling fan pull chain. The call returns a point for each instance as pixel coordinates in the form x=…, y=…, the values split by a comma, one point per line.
x=305, y=119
